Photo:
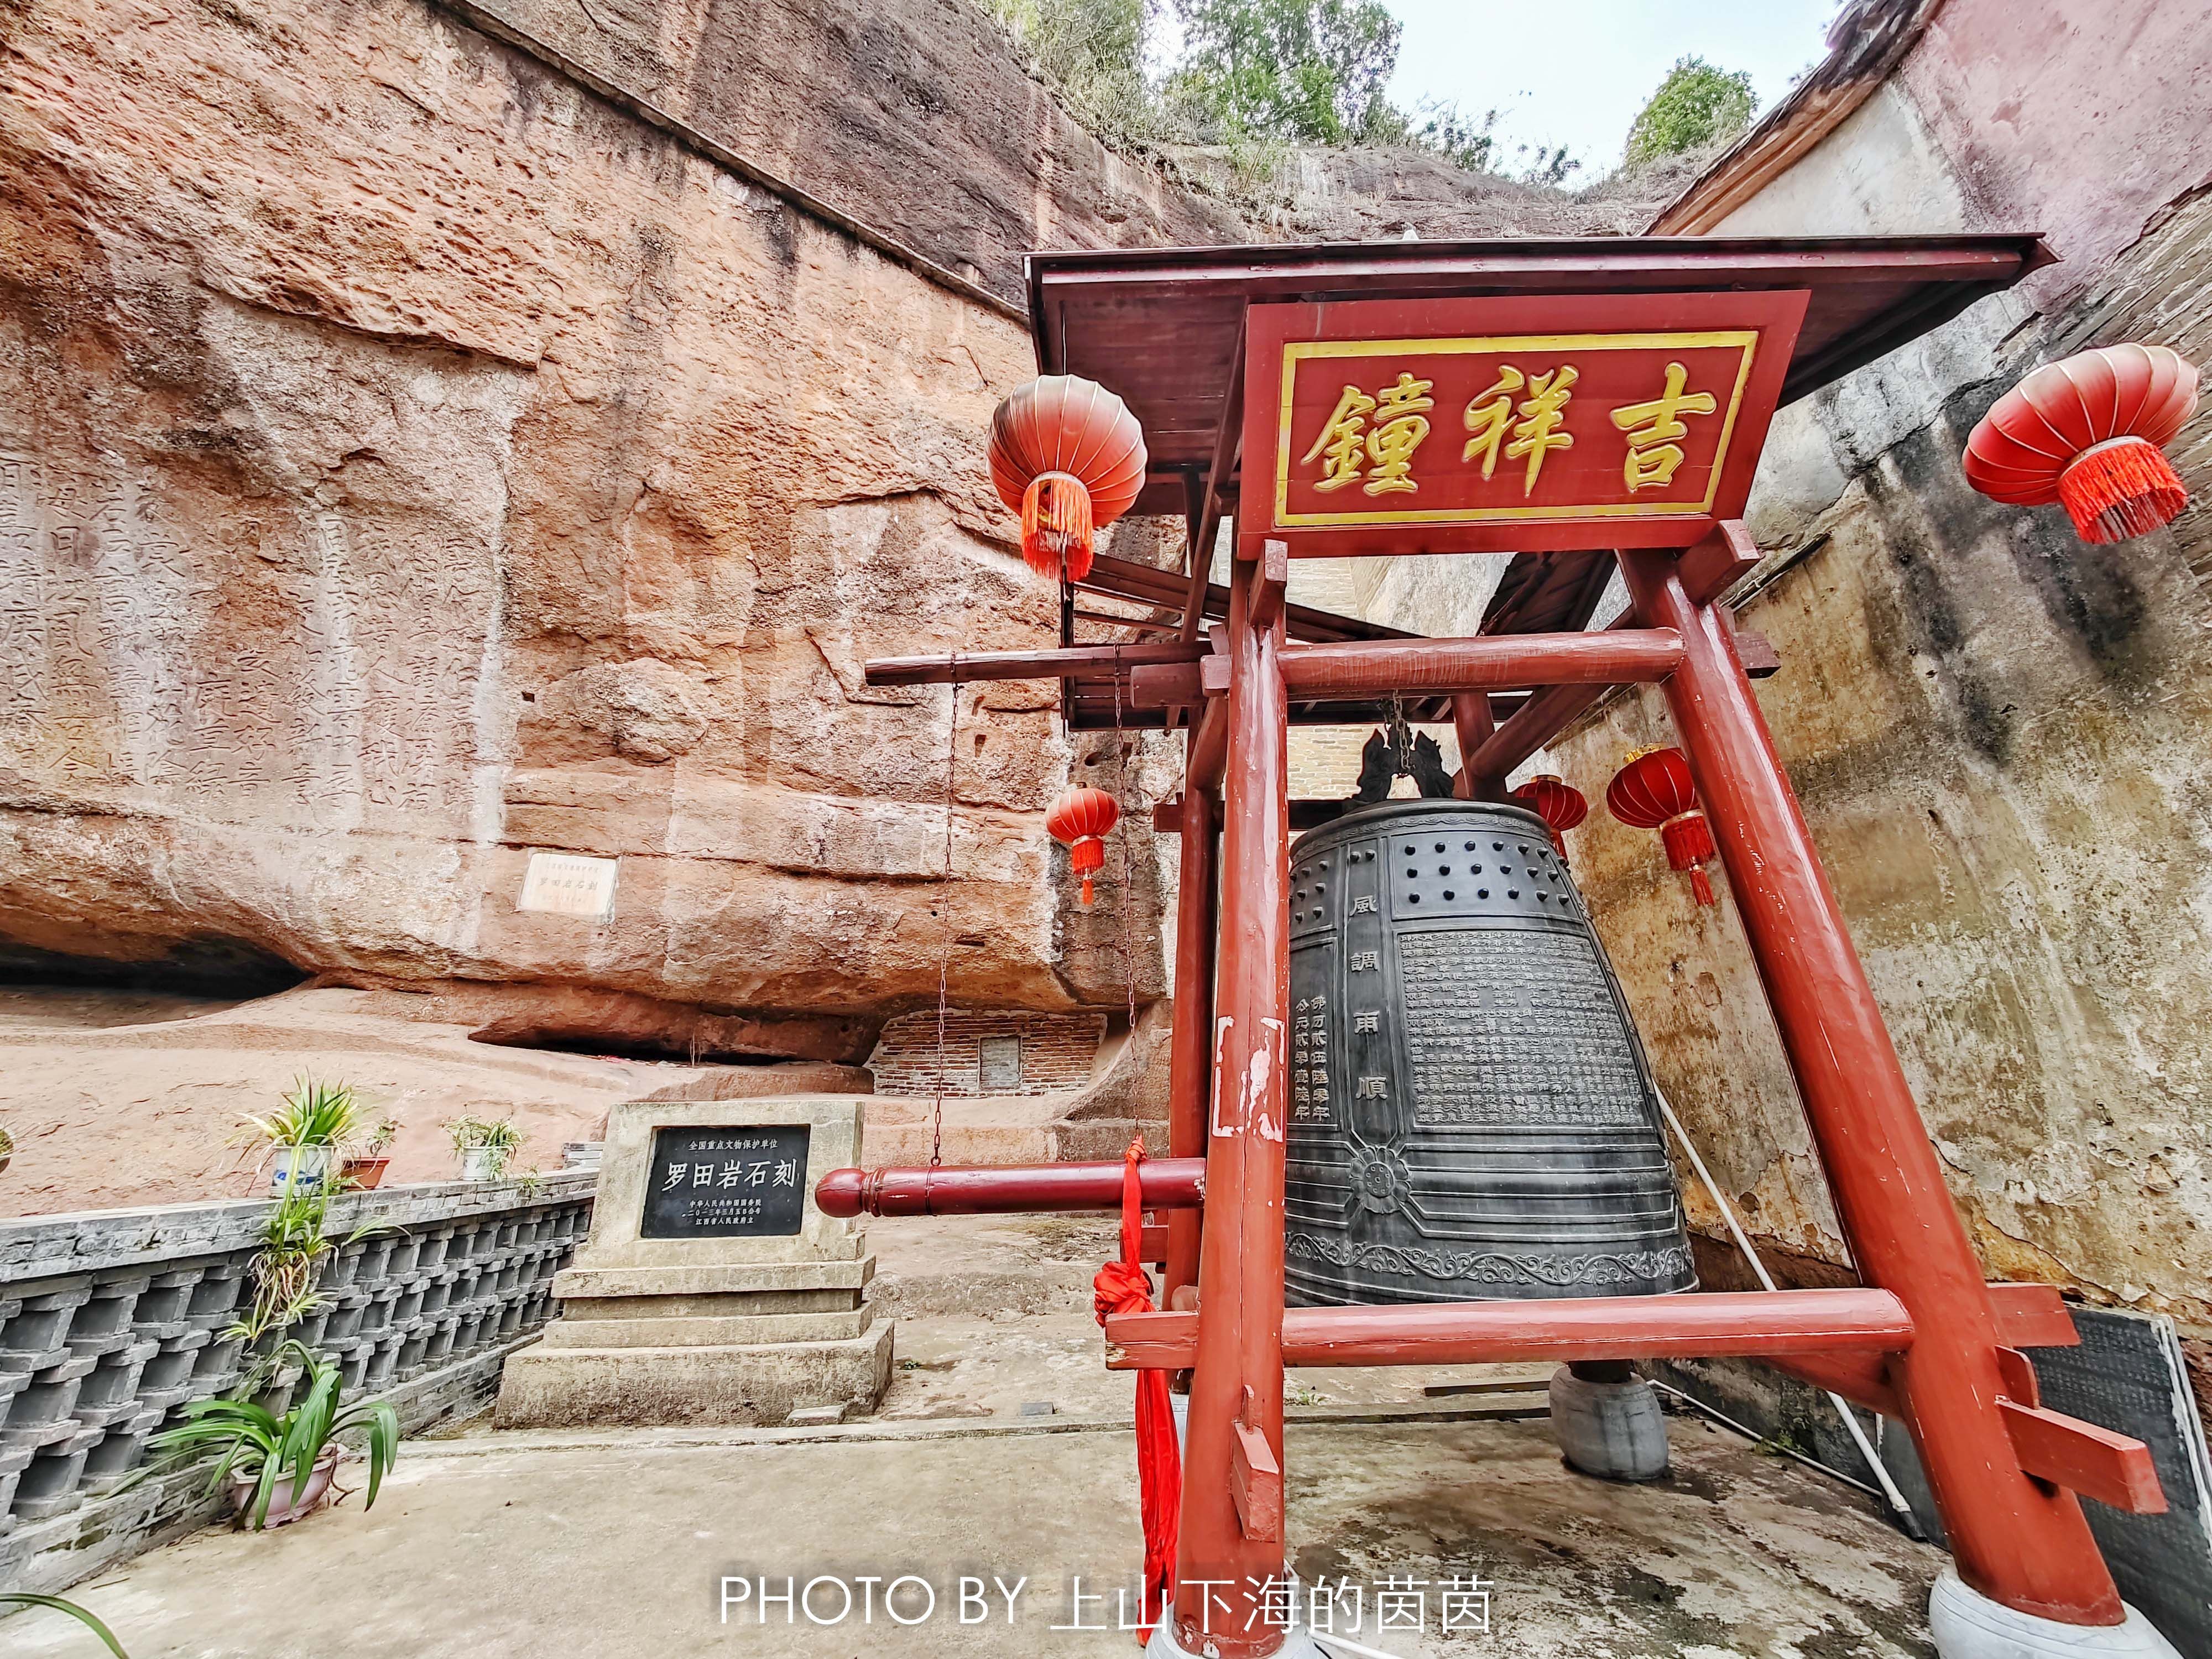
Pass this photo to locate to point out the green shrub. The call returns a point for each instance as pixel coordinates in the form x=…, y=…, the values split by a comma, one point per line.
x=1695, y=105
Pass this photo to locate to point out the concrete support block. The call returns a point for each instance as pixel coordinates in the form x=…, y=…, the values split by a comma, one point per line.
x=703, y=1330
x=549, y=1387
x=1613, y=1430
x=1967, y=1625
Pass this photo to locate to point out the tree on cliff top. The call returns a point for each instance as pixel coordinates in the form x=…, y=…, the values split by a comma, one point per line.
x=1298, y=71
x=1695, y=105
x=1251, y=74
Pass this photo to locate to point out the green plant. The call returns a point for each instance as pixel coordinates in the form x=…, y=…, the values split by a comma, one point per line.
x=284, y=1270
x=249, y=1440
x=7, y=1144
x=1695, y=105
x=313, y=1113
x=57, y=1604
x=380, y=1138
x=294, y=1240
x=497, y=1136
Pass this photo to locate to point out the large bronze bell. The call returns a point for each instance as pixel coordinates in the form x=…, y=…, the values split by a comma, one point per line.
x=1472, y=1115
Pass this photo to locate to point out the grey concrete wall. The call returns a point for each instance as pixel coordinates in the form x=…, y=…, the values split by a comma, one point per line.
x=113, y=1321
x=1998, y=732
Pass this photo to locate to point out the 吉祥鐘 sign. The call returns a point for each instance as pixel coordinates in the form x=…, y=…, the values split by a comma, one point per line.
x=1582, y=421
x=726, y=1182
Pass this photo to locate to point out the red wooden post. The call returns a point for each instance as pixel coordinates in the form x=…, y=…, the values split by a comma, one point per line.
x=1190, y=1050
x=2019, y=1543
x=1237, y=1384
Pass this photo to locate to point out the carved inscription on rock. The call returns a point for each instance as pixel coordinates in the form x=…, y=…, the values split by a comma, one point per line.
x=286, y=669
x=1522, y=1047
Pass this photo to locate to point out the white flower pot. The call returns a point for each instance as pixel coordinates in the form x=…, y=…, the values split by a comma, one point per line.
x=482, y=1163
x=299, y=1169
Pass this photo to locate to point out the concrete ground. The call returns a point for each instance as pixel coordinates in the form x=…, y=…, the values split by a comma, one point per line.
x=614, y=1545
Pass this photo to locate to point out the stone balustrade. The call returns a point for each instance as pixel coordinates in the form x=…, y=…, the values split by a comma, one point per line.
x=112, y=1322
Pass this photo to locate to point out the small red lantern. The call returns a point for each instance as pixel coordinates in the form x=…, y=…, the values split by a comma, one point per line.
x=1067, y=455
x=1654, y=792
x=1080, y=820
x=1558, y=802
x=2087, y=432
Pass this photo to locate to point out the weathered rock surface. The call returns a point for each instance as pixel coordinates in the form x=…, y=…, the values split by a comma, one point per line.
x=914, y=117
x=149, y=1113
x=408, y=459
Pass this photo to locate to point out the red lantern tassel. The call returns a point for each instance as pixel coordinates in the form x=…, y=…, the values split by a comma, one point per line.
x=1689, y=842
x=1121, y=1287
x=2121, y=488
x=1087, y=855
x=1056, y=531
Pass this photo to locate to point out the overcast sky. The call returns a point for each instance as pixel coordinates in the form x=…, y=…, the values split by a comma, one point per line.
x=1576, y=71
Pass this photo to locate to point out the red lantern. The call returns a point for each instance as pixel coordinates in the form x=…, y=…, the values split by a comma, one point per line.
x=1558, y=802
x=2087, y=432
x=1080, y=820
x=1067, y=455
x=1654, y=792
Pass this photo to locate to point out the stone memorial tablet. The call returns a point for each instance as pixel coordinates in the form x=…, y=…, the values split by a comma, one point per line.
x=713, y=1288
x=733, y=1182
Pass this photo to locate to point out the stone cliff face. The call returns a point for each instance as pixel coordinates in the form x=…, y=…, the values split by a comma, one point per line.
x=912, y=117
x=409, y=459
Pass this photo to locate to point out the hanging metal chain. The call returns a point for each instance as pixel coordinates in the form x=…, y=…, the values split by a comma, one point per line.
x=1401, y=740
x=944, y=954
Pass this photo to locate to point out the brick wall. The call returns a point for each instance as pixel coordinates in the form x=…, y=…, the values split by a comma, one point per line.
x=1055, y=1052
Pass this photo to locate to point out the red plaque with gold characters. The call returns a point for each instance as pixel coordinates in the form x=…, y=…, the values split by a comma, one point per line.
x=1510, y=424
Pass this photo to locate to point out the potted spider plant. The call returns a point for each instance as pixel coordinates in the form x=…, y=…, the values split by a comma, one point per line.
x=275, y=1469
x=307, y=1134
x=7, y=1150
x=365, y=1168
x=485, y=1145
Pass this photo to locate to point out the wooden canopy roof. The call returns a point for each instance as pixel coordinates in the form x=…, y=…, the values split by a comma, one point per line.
x=1163, y=328
x=1160, y=326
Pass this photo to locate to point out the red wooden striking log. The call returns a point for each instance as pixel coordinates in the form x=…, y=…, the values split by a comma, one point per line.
x=1376, y=668
x=1238, y=1378
x=1191, y=1046
x=1582, y=1327
x=1168, y=1183
x=2013, y=1540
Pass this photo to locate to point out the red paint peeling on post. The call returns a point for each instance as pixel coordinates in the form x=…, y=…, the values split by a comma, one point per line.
x=1238, y=1376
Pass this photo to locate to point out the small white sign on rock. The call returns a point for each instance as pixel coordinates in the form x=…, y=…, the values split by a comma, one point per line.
x=569, y=884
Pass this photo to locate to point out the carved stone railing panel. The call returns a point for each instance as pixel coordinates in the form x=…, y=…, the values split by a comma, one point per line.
x=113, y=1322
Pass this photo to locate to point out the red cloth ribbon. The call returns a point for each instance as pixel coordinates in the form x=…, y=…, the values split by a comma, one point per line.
x=1121, y=1287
